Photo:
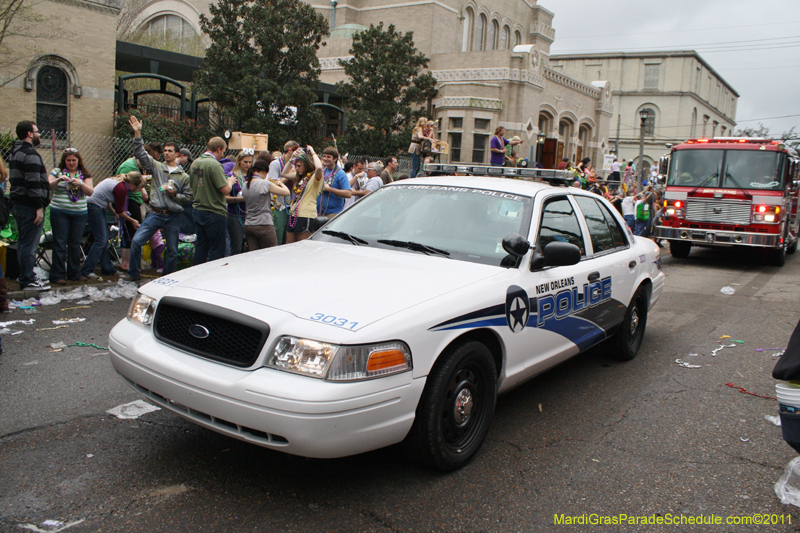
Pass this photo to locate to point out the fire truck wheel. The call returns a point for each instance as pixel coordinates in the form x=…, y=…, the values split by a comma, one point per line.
x=630, y=334
x=777, y=257
x=680, y=249
x=792, y=248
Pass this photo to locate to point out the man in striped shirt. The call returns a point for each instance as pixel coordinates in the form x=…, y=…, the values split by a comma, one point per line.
x=30, y=195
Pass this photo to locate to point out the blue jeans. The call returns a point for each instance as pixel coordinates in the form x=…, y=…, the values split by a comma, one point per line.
x=99, y=249
x=170, y=227
x=211, y=232
x=630, y=220
x=28, y=242
x=414, y=165
x=68, y=228
x=236, y=233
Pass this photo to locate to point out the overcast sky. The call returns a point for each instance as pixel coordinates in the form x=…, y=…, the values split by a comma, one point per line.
x=754, y=46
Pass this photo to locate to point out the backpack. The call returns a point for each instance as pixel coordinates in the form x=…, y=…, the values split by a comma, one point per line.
x=426, y=147
x=643, y=211
x=5, y=210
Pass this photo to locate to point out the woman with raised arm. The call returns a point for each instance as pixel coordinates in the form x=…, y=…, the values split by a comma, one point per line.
x=308, y=184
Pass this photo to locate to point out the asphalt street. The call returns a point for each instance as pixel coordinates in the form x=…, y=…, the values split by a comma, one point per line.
x=592, y=436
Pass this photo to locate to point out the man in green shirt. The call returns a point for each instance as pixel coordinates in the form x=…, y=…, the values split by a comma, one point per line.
x=209, y=185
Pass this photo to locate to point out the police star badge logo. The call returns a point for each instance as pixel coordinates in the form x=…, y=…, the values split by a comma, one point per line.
x=517, y=308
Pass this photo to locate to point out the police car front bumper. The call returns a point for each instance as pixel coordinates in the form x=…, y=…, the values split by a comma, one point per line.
x=718, y=238
x=287, y=412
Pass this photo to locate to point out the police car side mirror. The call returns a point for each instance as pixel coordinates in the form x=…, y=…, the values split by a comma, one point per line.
x=516, y=245
x=559, y=253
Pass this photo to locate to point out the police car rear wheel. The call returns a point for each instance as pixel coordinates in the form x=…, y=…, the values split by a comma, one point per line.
x=629, y=336
x=456, y=408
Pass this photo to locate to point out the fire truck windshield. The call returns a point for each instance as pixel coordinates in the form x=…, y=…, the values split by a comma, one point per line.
x=752, y=169
x=749, y=169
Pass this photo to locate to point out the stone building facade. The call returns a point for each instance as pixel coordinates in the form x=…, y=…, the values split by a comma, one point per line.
x=683, y=96
x=64, y=78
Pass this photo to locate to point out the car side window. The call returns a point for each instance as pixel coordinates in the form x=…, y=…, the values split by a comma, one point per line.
x=616, y=230
x=560, y=223
x=596, y=222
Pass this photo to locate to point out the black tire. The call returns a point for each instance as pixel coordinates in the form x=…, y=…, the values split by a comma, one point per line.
x=628, y=338
x=456, y=408
x=680, y=249
x=792, y=248
x=777, y=257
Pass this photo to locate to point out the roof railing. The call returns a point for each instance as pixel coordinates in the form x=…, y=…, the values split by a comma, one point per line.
x=553, y=177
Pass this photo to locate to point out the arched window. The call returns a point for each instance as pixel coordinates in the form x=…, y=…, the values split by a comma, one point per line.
x=480, y=34
x=466, y=39
x=650, y=122
x=517, y=38
x=504, y=38
x=170, y=26
x=491, y=42
x=693, y=133
x=52, y=99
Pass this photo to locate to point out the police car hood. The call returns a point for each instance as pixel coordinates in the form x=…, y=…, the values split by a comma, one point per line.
x=360, y=283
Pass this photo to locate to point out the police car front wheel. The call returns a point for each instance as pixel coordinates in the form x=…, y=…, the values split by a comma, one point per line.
x=456, y=408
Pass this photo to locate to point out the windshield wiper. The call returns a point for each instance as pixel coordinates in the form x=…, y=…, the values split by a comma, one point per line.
x=415, y=246
x=345, y=236
x=728, y=175
x=712, y=176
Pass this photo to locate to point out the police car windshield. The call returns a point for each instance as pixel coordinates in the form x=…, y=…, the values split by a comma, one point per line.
x=469, y=224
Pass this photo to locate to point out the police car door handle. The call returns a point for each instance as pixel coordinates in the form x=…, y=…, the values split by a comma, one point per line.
x=632, y=264
x=594, y=276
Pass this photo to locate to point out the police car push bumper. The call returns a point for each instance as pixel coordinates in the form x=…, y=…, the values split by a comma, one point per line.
x=270, y=408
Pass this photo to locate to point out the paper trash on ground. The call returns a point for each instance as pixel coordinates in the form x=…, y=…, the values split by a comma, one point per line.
x=132, y=410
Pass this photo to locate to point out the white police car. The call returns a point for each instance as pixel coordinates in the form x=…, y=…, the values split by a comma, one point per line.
x=401, y=319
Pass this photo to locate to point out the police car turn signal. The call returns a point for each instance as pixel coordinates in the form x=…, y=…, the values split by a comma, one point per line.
x=339, y=363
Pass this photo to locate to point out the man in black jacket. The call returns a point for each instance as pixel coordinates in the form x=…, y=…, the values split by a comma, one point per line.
x=30, y=195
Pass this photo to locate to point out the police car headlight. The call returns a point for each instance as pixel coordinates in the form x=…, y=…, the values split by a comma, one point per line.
x=339, y=363
x=142, y=309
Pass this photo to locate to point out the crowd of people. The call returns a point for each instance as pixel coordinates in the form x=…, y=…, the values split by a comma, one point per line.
x=255, y=201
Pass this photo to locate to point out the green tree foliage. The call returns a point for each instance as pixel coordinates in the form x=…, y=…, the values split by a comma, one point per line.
x=385, y=84
x=262, y=69
x=161, y=128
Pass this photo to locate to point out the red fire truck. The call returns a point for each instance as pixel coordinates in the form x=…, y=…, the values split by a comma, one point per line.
x=731, y=192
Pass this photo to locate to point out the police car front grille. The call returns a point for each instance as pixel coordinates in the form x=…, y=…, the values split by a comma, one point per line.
x=718, y=210
x=232, y=338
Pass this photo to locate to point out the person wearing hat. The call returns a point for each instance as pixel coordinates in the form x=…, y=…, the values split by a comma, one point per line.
x=374, y=181
x=185, y=158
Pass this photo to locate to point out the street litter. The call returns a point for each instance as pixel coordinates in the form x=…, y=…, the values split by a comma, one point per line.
x=58, y=345
x=738, y=342
x=725, y=337
x=727, y=290
x=87, y=294
x=714, y=352
x=29, y=363
x=787, y=486
x=6, y=331
x=84, y=302
x=774, y=419
x=692, y=354
x=778, y=354
x=26, y=322
x=27, y=303
x=744, y=391
x=88, y=345
x=79, y=307
x=686, y=365
x=69, y=320
x=48, y=329
x=89, y=455
x=744, y=439
x=132, y=410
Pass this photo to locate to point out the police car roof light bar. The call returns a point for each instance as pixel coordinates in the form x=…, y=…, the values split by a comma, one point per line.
x=560, y=177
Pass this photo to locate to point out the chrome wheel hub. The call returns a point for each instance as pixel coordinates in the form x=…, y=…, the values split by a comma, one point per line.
x=462, y=407
x=634, y=321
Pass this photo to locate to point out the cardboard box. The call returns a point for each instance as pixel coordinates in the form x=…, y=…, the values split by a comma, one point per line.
x=257, y=141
